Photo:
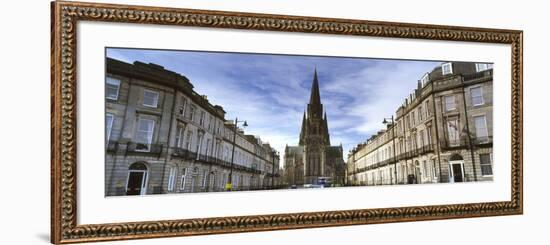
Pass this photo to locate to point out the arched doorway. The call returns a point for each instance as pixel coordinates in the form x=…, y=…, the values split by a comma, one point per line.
x=137, y=179
x=456, y=168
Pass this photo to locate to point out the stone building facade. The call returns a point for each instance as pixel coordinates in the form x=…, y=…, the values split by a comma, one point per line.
x=314, y=160
x=443, y=132
x=164, y=137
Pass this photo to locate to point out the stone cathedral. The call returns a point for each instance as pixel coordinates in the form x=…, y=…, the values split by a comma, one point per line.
x=314, y=160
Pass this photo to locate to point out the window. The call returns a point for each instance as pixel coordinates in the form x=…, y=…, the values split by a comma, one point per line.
x=422, y=137
x=425, y=79
x=420, y=112
x=182, y=106
x=450, y=103
x=171, y=179
x=434, y=169
x=452, y=130
x=201, y=119
x=208, y=142
x=447, y=68
x=183, y=175
x=427, y=108
x=426, y=168
x=192, y=113
x=109, y=118
x=477, y=96
x=112, y=86
x=429, y=134
x=204, y=175
x=144, y=134
x=486, y=165
x=223, y=180
x=483, y=66
x=189, y=139
x=199, y=143
x=481, y=127
x=179, y=136
x=150, y=98
x=210, y=123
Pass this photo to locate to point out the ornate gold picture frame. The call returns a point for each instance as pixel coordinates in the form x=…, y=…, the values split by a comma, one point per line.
x=66, y=15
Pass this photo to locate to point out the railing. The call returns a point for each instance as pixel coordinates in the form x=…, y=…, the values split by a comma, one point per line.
x=486, y=73
x=403, y=156
x=480, y=141
x=134, y=147
x=184, y=153
x=447, y=144
x=425, y=149
x=242, y=188
x=270, y=175
x=189, y=155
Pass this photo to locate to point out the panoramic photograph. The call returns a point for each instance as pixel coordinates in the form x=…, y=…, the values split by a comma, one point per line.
x=179, y=121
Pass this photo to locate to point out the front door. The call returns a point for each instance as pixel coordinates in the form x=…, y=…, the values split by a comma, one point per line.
x=457, y=171
x=136, y=183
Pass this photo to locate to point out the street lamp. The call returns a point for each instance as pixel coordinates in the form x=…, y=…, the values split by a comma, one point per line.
x=393, y=139
x=229, y=184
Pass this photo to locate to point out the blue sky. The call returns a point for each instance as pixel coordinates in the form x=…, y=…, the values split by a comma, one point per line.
x=271, y=92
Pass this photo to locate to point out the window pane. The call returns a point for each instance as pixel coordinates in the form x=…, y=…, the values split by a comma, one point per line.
x=446, y=68
x=452, y=127
x=477, y=96
x=484, y=158
x=486, y=166
x=425, y=79
x=483, y=66
x=486, y=170
x=150, y=98
x=481, y=127
x=171, y=179
x=182, y=108
x=112, y=86
x=144, y=133
x=182, y=183
x=434, y=168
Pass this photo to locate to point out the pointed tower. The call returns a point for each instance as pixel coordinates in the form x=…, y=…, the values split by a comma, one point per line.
x=303, y=130
x=315, y=108
x=314, y=159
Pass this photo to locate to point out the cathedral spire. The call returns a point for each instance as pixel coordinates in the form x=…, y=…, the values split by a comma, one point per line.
x=315, y=108
x=303, y=130
x=315, y=98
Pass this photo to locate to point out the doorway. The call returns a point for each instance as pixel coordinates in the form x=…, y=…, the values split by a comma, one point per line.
x=456, y=168
x=137, y=179
x=457, y=171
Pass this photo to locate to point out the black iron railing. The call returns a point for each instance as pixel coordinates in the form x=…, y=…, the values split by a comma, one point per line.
x=480, y=141
x=189, y=155
x=403, y=156
x=472, y=76
x=447, y=144
x=135, y=147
